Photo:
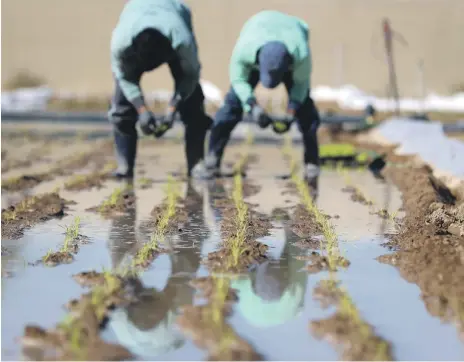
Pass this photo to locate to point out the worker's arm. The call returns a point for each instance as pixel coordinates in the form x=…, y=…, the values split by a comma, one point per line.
x=129, y=81
x=301, y=80
x=239, y=73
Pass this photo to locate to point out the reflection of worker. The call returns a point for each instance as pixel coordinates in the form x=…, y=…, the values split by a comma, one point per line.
x=274, y=293
x=122, y=240
x=150, y=33
x=272, y=48
x=147, y=327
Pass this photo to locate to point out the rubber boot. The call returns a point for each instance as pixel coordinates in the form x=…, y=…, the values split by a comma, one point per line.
x=311, y=176
x=125, y=150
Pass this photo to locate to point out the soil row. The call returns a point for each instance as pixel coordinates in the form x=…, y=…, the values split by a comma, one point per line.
x=68, y=166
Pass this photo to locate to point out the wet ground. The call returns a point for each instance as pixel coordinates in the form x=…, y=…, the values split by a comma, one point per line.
x=273, y=311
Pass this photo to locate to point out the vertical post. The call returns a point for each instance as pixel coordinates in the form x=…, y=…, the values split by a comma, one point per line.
x=420, y=67
x=387, y=31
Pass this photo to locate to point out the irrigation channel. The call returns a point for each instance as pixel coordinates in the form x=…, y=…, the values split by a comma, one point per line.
x=245, y=267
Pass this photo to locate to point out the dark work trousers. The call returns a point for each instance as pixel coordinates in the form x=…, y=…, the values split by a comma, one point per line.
x=123, y=116
x=230, y=114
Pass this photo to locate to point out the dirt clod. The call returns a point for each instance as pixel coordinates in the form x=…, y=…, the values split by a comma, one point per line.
x=31, y=211
x=24, y=182
x=59, y=257
x=304, y=223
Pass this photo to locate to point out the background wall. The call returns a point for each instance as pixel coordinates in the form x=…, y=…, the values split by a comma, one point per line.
x=67, y=41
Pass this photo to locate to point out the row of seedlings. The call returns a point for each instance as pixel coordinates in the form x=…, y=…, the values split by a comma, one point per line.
x=77, y=337
x=346, y=328
x=206, y=324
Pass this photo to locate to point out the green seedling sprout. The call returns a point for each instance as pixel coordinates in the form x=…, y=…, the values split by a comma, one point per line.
x=331, y=247
x=172, y=195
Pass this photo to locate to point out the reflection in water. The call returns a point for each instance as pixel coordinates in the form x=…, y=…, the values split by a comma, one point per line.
x=274, y=292
x=147, y=327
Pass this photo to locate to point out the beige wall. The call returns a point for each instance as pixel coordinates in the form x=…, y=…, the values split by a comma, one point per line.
x=67, y=41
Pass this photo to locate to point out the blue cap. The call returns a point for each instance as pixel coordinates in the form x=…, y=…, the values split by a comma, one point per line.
x=274, y=60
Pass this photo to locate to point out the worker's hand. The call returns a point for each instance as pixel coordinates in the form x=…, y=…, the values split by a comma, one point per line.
x=166, y=123
x=147, y=122
x=259, y=115
x=283, y=125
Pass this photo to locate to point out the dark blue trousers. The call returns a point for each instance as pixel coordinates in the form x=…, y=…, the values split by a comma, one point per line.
x=123, y=116
x=230, y=114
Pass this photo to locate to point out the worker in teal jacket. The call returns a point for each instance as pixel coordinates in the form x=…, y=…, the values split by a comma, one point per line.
x=150, y=33
x=272, y=48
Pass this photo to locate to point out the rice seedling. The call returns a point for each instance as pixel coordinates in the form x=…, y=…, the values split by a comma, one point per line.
x=172, y=196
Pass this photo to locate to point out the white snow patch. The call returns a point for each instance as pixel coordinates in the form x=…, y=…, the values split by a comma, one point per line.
x=350, y=97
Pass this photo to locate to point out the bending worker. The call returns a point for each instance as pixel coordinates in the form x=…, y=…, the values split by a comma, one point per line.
x=150, y=33
x=272, y=48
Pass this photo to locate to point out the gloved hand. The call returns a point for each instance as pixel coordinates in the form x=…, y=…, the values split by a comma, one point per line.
x=147, y=122
x=259, y=115
x=167, y=122
x=283, y=125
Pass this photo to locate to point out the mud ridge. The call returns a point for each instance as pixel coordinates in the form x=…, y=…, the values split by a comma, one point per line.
x=239, y=250
x=120, y=202
x=430, y=248
x=77, y=337
x=63, y=167
x=30, y=211
x=206, y=324
x=346, y=329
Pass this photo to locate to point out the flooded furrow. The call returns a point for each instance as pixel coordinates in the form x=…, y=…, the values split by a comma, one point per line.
x=199, y=299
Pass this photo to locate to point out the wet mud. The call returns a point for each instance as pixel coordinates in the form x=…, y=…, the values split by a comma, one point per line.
x=318, y=263
x=304, y=224
x=78, y=336
x=120, y=202
x=357, y=195
x=30, y=211
x=24, y=182
x=66, y=254
x=345, y=329
x=240, y=250
x=86, y=182
x=65, y=167
x=207, y=327
x=429, y=252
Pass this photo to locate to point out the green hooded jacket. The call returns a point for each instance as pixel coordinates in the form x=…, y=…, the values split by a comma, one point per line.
x=172, y=18
x=264, y=27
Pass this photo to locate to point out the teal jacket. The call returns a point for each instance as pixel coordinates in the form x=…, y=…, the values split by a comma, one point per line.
x=268, y=26
x=173, y=19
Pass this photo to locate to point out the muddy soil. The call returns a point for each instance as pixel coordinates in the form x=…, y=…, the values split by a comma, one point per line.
x=120, y=202
x=304, y=224
x=346, y=329
x=251, y=252
x=66, y=254
x=64, y=167
x=175, y=222
x=357, y=195
x=86, y=182
x=429, y=253
x=25, y=182
x=78, y=336
x=207, y=327
x=31, y=211
x=318, y=263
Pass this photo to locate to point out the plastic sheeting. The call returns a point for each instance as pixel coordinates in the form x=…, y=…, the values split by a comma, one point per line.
x=350, y=97
x=427, y=140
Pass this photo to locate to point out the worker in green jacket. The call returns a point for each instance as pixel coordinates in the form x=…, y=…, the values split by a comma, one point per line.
x=150, y=33
x=272, y=48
